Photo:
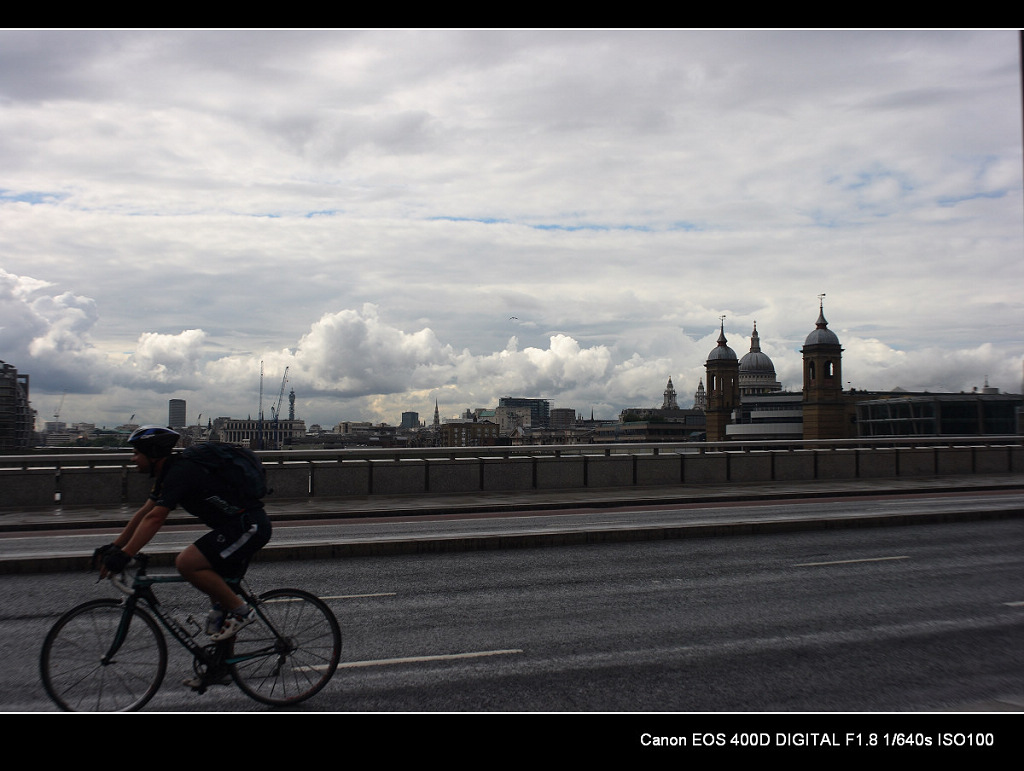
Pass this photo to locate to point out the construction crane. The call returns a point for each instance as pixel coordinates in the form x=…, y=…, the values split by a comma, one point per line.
x=275, y=411
x=259, y=416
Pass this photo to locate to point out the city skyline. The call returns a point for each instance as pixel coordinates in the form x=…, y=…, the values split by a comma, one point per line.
x=401, y=217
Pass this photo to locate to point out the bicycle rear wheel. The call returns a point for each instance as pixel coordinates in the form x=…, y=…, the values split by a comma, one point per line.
x=294, y=656
x=72, y=663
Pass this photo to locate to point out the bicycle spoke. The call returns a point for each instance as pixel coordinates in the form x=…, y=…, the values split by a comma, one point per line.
x=305, y=649
x=72, y=662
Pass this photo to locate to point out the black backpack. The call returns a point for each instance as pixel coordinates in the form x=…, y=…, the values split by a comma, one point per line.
x=238, y=466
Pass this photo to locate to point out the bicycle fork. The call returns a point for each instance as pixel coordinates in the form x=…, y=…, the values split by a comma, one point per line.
x=122, y=632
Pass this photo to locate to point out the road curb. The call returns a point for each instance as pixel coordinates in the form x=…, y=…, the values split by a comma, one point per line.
x=569, y=537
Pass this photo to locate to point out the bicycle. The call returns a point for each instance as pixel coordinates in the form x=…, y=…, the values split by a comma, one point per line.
x=109, y=655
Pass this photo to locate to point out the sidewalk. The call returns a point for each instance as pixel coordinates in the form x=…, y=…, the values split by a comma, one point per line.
x=365, y=531
x=57, y=518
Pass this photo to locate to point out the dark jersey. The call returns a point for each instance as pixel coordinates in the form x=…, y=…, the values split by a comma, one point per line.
x=197, y=490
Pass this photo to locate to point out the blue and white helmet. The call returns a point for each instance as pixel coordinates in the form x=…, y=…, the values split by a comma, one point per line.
x=154, y=441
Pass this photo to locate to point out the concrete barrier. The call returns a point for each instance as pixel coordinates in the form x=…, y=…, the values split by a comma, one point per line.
x=608, y=470
x=460, y=475
x=507, y=474
x=301, y=475
x=397, y=477
x=91, y=486
x=288, y=480
x=915, y=461
x=706, y=469
x=794, y=466
x=992, y=460
x=1017, y=460
x=27, y=488
x=876, y=464
x=954, y=460
x=662, y=469
x=339, y=479
x=836, y=464
x=751, y=466
x=564, y=473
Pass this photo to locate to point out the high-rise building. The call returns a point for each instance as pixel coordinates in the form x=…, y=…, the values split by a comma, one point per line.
x=176, y=414
x=540, y=409
x=563, y=417
x=17, y=418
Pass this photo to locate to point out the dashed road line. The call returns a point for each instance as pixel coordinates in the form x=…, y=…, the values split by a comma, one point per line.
x=420, y=659
x=847, y=562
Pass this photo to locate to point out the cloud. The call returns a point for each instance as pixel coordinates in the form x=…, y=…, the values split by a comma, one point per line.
x=167, y=359
x=354, y=360
x=368, y=208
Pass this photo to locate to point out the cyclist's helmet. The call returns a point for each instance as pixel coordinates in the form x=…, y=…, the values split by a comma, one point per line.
x=154, y=441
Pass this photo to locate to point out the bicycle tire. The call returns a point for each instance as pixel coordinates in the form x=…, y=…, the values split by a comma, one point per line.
x=71, y=665
x=287, y=669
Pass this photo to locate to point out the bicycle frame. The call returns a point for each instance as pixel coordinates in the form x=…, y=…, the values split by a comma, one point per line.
x=97, y=658
x=215, y=661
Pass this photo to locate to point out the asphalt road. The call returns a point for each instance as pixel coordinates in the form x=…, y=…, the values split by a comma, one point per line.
x=905, y=619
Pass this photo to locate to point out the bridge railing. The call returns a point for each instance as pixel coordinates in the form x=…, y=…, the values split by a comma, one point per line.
x=109, y=478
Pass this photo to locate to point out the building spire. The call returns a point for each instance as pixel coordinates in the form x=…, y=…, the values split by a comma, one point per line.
x=669, y=402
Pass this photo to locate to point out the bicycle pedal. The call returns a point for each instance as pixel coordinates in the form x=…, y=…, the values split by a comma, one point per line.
x=200, y=684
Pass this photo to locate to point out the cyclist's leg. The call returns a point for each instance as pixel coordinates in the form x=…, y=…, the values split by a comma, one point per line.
x=197, y=570
x=222, y=553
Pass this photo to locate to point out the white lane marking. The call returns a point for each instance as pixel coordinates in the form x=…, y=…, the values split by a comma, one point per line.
x=848, y=562
x=358, y=596
x=334, y=597
x=1017, y=604
x=419, y=659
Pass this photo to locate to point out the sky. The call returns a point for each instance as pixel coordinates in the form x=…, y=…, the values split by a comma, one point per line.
x=397, y=218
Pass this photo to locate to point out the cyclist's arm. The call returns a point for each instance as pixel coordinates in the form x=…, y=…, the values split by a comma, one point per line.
x=133, y=524
x=139, y=531
x=143, y=526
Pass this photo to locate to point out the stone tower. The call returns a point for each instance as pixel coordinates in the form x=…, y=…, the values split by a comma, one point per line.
x=723, y=390
x=823, y=405
x=669, y=401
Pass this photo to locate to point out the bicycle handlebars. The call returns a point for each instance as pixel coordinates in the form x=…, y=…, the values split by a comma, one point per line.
x=120, y=580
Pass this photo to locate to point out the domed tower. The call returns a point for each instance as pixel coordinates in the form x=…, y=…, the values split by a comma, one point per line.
x=823, y=406
x=723, y=391
x=700, y=398
x=757, y=372
x=669, y=401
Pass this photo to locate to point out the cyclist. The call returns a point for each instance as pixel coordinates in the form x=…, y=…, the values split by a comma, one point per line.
x=239, y=528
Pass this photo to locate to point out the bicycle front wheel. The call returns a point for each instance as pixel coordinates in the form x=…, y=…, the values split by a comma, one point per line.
x=81, y=673
x=291, y=652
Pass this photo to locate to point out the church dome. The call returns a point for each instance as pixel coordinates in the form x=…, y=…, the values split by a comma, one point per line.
x=757, y=372
x=722, y=352
x=821, y=335
x=756, y=362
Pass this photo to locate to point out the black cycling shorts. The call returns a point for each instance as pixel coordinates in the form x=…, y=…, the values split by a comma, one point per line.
x=229, y=547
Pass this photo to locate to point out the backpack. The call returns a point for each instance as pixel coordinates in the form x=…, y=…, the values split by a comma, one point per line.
x=236, y=465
